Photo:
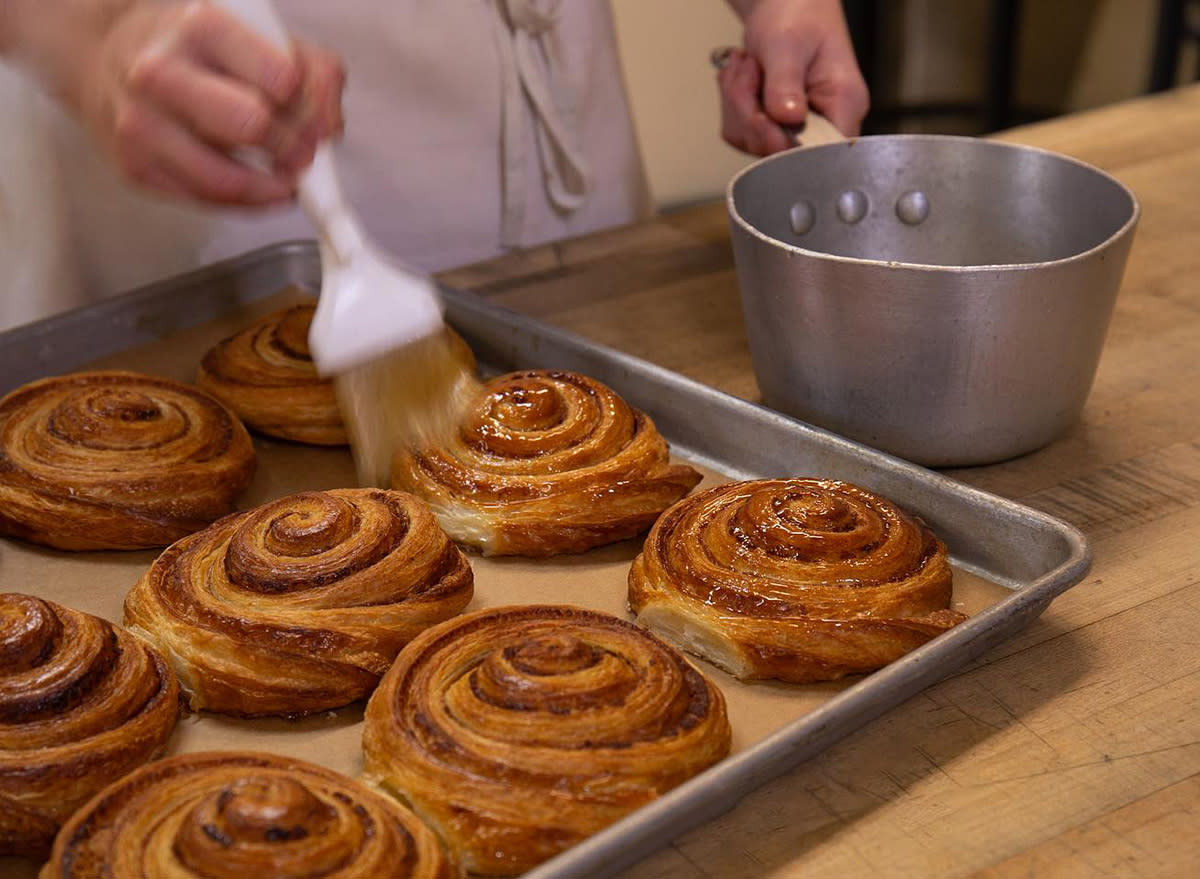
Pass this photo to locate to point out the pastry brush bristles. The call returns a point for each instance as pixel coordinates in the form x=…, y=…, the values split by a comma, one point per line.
x=413, y=397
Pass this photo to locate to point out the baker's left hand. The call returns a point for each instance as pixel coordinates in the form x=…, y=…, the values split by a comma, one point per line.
x=797, y=55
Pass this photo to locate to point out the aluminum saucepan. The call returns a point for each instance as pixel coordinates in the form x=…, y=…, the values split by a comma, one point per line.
x=941, y=298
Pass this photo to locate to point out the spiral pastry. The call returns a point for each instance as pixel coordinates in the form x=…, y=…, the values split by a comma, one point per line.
x=266, y=375
x=299, y=605
x=518, y=731
x=240, y=815
x=547, y=463
x=797, y=579
x=82, y=702
x=116, y=460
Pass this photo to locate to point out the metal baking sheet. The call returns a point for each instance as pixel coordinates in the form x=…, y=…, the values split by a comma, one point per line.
x=1033, y=556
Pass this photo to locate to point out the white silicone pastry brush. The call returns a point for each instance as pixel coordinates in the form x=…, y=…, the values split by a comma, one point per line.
x=378, y=328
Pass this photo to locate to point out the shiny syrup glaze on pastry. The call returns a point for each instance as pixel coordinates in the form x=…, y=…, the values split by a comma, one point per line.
x=244, y=815
x=517, y=732
x=266, y=375
x=82, y=703
x=547, y=463
x=796, y=579
x=301, y=604
x=117, y=460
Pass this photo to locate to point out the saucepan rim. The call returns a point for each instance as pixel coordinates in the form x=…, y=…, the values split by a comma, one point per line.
x=736, y=215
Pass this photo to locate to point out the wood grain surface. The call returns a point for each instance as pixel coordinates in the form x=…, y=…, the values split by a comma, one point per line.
x=1073, y=749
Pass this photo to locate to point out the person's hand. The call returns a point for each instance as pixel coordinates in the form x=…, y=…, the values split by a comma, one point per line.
x=172, y=90
x=797, y=55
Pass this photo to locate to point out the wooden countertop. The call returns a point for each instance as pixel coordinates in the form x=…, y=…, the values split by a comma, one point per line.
x=1072, y=749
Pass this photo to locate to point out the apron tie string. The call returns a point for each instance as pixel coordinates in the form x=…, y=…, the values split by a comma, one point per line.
x=532, y=80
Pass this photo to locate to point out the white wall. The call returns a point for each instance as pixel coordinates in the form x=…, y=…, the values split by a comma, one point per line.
x=665, y=46
x=1075, y=54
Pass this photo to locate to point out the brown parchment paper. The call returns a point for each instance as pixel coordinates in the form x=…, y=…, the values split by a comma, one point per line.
x=97, y=582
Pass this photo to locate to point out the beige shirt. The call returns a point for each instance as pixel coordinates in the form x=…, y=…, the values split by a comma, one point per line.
x=472, y=126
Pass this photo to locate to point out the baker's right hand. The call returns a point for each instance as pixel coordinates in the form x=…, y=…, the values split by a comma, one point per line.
x=172, y=90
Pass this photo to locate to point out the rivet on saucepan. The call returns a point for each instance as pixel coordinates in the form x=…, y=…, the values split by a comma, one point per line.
x=851, y=206
x=912, y=207
x=803, y=217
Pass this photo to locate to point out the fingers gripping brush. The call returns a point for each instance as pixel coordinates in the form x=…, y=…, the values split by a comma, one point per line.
x=378, y=328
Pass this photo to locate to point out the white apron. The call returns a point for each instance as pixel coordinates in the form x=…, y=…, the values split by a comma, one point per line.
x=472, y=127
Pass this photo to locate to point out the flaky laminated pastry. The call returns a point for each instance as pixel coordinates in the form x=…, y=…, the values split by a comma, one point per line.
x=82, y=703
x=117, y=460
x=546, y=463
x=266, y=375
x=797, y=579
x=516, y=732
x=244, y=815
x=301, y=604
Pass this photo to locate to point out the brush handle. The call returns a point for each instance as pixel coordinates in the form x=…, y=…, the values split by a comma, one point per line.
x=322, y=199
x=320, y=192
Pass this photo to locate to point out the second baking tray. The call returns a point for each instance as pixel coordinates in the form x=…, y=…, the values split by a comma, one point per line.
x=1018, y=557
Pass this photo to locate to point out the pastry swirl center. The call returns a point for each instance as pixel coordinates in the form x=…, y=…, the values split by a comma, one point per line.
x=113, y=418
x=556, y=673
x=124, y=405
x=28, y=631
x=815, y=513
x=527, y=406
x=291, y=334
x=49, y=665
x=528, y=416
x=806, y=525
x=264, y=822
x=314, y=524
x=271, y=810
x=552, y=655
x=310, y=540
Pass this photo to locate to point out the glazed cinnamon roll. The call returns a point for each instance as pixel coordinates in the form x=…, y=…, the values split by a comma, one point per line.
x=116, y=460
x=266, y=375
x=547, y=463
x=518, y=731
x=82, y=703
x=301, y=604
x=241, y=815
x=796, y=579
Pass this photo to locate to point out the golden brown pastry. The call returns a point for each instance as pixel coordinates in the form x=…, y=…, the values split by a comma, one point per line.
x=516, y=732
x=266, y=375
x=82, y=702
x=301, y=604
x=244, y=815
x=547, y=463
x=116, y=460
x=796, y=579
